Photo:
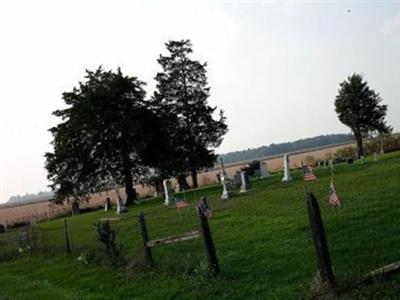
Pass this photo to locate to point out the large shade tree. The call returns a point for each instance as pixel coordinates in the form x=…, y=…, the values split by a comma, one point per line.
x=108, y=136
x=182, y=90
x=359, y=107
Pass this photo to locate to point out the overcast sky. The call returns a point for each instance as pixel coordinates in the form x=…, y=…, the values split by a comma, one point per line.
x=274, y=67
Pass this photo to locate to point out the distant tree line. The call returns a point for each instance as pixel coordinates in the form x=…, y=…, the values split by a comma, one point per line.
x=273, y=149
x=30, y=197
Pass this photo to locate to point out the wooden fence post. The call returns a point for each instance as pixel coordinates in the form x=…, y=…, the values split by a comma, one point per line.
x=145, y=236
x=66, y=236
x=207, y=239
x=320, y=242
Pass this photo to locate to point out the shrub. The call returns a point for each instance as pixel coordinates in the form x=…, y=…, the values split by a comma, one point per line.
x=347, y=153
x=106, y=237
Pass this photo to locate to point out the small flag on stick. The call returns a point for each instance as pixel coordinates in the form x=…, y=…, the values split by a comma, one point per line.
x=308, y=173
x=333, y=196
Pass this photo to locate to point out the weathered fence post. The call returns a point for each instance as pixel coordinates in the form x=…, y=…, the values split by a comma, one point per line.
x=67, y=244
x=145, y=236
x=207, y=238
x=320, y=242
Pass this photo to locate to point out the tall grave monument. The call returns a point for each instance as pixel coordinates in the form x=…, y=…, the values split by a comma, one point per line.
x=226, y=183
x=286, y=170
x=246, y=186
x=169, y=194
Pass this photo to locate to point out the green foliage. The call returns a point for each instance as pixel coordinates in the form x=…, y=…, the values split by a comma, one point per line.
x=359, y=108
x=106, y=237
x=108, y=136
x=182, y=91
x=347, y=152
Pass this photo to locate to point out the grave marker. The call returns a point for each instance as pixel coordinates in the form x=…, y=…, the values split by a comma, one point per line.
x=246, y=186
x=286, y=170
x=264, y=170
x=169, y=195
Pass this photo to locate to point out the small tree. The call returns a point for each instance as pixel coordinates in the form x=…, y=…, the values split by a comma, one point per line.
x=359, y=108
x=182, y=91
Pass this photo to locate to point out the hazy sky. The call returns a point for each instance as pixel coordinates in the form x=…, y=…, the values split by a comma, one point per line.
x=274, y=67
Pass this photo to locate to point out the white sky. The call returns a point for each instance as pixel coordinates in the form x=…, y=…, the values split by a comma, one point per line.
x=274, y=67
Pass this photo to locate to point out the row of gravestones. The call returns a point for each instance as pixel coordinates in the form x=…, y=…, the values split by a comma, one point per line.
x=240, y=179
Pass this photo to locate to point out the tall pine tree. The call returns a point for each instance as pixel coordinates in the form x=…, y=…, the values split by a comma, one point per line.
x=183, y=91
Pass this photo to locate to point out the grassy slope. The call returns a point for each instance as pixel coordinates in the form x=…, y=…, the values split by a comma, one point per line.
x=262, y=240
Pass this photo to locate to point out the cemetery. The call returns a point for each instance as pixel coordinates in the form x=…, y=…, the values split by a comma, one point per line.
x=262, y=241
x=139, y=166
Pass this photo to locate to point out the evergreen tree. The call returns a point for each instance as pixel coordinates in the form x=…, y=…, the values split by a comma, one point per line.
x=359, y=108
x=182, y=90
x=108, y=136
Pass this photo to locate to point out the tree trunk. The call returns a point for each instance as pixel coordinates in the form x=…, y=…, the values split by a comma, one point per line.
x=360, y=147
x=183, y=185
x=193, y=173
x=128, y=180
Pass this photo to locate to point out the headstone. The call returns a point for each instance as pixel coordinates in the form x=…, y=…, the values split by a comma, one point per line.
x=75, y=208
x=168, y=192
x=226, y=183
x=237, y=180
x=246, y=186
x=362, y=159
x=121, y=208
x=264, y=170
x=107, y=205
x=33, y=221
x=286, y=170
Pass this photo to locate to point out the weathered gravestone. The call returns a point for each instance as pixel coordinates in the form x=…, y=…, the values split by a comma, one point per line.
x=169, y=195
x=121, y=208
x=75, y=208
x=246, y=186
x=226, y=183
x=264, y=170
x=237, y=180
x=107, y=205
x=286, y=170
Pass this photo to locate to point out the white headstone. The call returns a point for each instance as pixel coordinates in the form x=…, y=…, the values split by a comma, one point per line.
x=264, y=170
x=246, y=186
x=168, y=192
x=120, y=206
x=226, y=183
x=362, y=159
x=286, y=170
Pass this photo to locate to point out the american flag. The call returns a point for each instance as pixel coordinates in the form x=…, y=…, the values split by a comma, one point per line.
x=308, y=173
x=181, y=204
x=333, y=196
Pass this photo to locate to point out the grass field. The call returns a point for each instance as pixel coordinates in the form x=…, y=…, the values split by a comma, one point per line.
x=262, y=239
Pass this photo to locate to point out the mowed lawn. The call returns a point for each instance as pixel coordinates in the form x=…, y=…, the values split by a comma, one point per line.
x=262, y=239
